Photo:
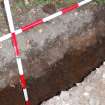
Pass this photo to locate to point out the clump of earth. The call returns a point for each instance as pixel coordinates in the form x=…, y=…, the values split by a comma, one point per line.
x=49, y=8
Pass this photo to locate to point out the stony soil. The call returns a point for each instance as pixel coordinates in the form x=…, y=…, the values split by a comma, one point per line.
x=40, y=41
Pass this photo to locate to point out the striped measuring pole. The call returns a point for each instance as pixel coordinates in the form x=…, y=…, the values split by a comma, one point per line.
x=17, y=52
x=40, y=21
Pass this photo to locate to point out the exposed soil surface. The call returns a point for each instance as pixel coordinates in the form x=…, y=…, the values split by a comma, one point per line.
x=86, y=51
x=61, y=76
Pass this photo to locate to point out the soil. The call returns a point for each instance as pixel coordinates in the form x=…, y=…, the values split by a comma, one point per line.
x=49, y=8
x=61, y=76
x=76, y=56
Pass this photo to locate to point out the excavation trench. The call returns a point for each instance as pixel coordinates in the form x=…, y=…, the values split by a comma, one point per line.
x=86, y=52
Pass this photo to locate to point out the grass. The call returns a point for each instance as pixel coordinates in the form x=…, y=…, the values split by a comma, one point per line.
x=100, y=1
x=58, y=3
x=20, y=4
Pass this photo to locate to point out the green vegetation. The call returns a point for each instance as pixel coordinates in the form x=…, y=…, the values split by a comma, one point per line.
x=18, y=5
x=100, y=1
x=58, y=3
x=41, y=1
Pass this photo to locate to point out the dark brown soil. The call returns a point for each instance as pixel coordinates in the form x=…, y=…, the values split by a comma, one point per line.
x=49, y=8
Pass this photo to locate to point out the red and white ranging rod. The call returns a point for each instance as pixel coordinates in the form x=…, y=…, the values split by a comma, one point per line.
x=40, y=21
x=17, y=52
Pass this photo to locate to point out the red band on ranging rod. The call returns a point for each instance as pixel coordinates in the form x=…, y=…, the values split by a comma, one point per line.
x=68, y=9
x=14, y=42
x=23, y=81
x=27, y=102
x=27, y=27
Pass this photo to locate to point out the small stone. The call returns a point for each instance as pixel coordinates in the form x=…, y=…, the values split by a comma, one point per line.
x=88, y=88
x=1, y=15
x=26, y=2
x=12, y=85
x=103, y=76
x=98, y=71
x=64, y=95
x=19, y=10
x=28, y=44
x=86, y=12
x=97, y=68
x=5, y=30
x=86, y=94
x=33, y=11
x=78, y=84
x=76, y=13
x=53, y=22
x=57, y=97
x=104, y=63
x=40, y=30
x=21, y=23
x=94, y=101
